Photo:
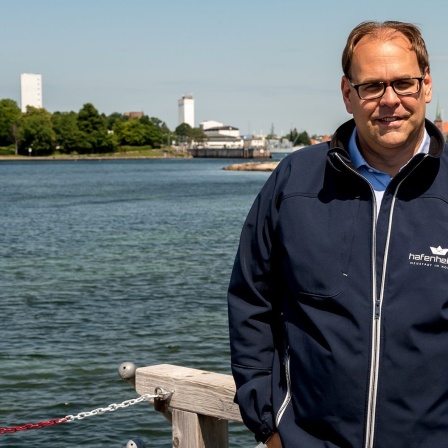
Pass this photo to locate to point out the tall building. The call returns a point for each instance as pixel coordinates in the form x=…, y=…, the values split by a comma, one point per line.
x=30, y=90
x=186, y=110
x=442, y=125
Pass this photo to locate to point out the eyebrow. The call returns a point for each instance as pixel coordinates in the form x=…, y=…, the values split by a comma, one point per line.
x=375, y=80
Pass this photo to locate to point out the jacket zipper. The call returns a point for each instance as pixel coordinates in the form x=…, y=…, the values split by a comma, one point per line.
x=287, y=399
x=378, y=301
x=373, y=378
x=373, y=392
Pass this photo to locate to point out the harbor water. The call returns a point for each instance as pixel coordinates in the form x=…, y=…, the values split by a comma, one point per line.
x=108, y=261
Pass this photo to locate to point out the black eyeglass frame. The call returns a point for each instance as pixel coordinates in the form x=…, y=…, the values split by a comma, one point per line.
x=386, y=85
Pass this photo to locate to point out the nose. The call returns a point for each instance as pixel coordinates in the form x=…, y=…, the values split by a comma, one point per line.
x=390, y=98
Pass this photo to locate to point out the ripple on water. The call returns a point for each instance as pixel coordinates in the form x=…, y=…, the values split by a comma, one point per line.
x=105, y=262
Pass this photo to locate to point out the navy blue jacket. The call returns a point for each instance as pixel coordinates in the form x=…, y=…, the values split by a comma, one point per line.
x=339, y=320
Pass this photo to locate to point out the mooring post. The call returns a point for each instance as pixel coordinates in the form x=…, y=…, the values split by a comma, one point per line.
x=202, y=403
x=192, y=430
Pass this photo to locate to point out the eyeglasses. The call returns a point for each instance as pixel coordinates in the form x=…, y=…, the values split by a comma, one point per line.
x=373, y=90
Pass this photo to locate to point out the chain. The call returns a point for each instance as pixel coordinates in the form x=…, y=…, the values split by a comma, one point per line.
x=112, y=407
x=82, y=415
x=37, y=425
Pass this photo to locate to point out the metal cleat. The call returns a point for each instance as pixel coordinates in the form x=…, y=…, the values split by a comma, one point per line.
x=127, y=371
x=162, y=404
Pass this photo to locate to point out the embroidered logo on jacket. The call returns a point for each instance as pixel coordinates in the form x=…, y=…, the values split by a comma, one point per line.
x=438, y=250
x=436, y=260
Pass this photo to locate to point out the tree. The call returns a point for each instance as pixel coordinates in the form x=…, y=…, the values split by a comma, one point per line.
x=299, y=139
x=198, y=135
x=10, y=117
x=37, y=132
x=183, y=132
x=95, y=137
x=114, y=118
x=68, y=136
x=157, y=131
x=302, y=139
x=131, y=132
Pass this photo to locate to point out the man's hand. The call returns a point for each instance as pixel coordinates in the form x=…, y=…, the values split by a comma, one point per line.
x=274, y=441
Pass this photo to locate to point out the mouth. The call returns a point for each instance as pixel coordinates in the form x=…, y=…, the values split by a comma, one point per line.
x=389, y=120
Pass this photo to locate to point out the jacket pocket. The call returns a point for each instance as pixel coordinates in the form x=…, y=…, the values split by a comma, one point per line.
x=315, y=241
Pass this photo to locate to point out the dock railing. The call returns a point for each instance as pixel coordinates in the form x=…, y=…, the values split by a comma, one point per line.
x=200, y=406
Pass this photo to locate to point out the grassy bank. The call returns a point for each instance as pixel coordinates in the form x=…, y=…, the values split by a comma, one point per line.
x=124, y=152
x=6, y=151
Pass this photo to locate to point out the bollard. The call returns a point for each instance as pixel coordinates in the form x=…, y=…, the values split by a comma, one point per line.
x=126, y=370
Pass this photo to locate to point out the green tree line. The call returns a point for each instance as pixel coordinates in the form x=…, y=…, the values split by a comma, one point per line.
x=299, y=138
x=39, y=132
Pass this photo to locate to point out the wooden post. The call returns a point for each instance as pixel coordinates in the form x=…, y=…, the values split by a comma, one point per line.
x=198, y=431
x=202, y=403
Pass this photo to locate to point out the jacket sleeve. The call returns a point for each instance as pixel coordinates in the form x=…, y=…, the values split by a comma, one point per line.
x=251, y=315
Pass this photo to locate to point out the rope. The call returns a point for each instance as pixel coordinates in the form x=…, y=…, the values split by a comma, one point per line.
x=82, y=415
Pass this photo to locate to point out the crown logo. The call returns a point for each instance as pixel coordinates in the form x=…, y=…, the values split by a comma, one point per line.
x=438, y=250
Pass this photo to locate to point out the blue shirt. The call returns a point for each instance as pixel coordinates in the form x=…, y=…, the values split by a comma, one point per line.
x=378, y=179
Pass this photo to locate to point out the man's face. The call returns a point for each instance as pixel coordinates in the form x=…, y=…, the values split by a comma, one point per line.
x=393, y=123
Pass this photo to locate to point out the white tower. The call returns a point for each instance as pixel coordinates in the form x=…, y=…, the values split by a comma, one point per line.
x=186, y=110
x=30, y=90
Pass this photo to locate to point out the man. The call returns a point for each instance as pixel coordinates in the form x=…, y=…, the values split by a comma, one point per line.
x=338, y=300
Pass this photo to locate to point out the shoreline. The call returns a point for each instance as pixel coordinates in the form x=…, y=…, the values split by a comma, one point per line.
x=252, y=166
x=266, y=166
x=92, y=157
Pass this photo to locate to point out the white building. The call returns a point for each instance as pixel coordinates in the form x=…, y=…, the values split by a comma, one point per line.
x=220, y=136
x=207, y=124
x=186, y=110
x=30, y=90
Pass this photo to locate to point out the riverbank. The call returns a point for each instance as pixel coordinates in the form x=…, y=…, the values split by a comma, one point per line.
x=168, y=153
x=92, y=157
x=252, y=166
x=118, y=156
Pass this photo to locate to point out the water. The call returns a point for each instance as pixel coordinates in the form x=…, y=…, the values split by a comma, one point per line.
x=106, y=262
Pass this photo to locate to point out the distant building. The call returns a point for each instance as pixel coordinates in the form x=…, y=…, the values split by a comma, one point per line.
x=220, y=136
x=133, y=114
x=320, y=139
x=186, y=110
x=255, y=141
x=30, y=90
x=207, y=124
x=442, y=125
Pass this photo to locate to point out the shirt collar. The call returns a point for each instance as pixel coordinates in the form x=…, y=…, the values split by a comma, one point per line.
x=359, y=161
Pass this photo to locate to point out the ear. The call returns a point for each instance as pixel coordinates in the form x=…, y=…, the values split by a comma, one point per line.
x=427, y=87
x=346, y=90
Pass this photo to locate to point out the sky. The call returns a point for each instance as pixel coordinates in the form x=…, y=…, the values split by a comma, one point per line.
x=258, y=65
